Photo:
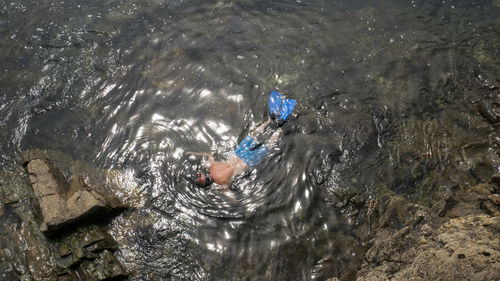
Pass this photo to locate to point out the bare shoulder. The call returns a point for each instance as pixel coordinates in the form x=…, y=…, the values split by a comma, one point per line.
x=221, y=172
x=219, y=165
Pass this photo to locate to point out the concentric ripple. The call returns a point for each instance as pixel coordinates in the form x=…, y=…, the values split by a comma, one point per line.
x=134, y=85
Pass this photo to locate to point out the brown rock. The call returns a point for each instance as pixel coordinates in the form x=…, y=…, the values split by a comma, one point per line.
x=62, y=203
x=395, y=212
x=463, y=248
x=109, y=184
x=494, y=199
x=462, y=209
x=53, y=209
x=82, y=202
x=42, y=180
x=489, y=208
x=481, y=189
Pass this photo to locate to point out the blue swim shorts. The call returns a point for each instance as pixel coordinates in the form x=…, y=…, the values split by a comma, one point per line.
x=245, y=152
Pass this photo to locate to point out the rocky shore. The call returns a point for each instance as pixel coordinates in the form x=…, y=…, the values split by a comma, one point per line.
x=52, y=213
x=435, y=214
x=456, y=239
x=449, y=228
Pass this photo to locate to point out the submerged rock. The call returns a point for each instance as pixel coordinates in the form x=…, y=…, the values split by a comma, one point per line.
x=490, y=111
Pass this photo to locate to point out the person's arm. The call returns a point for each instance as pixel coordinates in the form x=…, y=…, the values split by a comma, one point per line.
x=199, y=153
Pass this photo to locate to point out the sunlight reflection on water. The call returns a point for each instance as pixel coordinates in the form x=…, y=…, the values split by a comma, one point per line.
x=133, y=86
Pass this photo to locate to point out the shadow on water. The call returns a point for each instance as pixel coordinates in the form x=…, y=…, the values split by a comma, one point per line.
x=134, y=85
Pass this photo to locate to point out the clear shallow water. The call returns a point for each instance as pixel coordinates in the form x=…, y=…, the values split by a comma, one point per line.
x=132, y=85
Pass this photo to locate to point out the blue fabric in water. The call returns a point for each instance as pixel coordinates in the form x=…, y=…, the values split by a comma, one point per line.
x=275, y=100
x=251, y=156
x=286, y=108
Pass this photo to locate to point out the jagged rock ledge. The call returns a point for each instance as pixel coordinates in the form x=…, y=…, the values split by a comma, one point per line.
x=64, y=199
x=458, y=238
x=53, y=215
x=89, y=251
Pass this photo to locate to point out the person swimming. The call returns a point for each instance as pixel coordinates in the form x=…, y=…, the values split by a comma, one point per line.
x=250, y=151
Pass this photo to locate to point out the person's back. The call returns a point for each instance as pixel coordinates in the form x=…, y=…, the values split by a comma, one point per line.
x=221, y=172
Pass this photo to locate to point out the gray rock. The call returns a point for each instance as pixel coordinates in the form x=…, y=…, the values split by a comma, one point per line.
x=52, y=194
x=102, y=182
x=63, y=195
x=61, y=204
x=90, y=250
x=483, y=171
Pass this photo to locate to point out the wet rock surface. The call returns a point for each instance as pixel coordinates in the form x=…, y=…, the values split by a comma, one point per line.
x=437, y=217
x=79, y=175
x=455, y=239
x=458, y=250
x=62, y=202
x=89, y=251
x=52, y=228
